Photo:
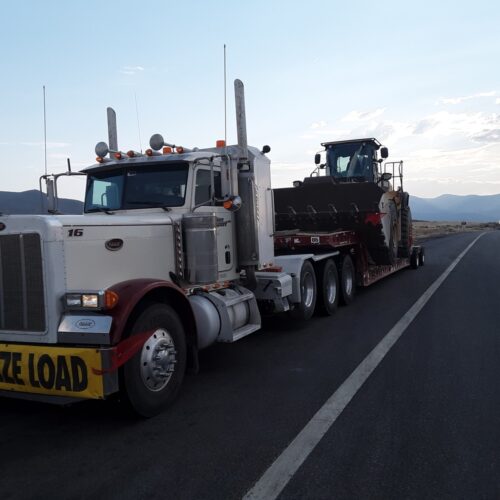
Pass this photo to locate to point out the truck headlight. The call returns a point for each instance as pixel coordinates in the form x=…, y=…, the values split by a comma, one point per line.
x=90, y=300
x=103, y=299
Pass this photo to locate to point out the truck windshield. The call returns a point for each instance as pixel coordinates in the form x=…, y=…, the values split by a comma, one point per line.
x=351, y=161
x=137, y=187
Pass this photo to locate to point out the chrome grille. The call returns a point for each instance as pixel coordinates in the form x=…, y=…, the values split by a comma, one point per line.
x=22, y=305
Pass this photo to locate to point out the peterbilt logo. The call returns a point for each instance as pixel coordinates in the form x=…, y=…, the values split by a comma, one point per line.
x=114, y=244
x=85, y=324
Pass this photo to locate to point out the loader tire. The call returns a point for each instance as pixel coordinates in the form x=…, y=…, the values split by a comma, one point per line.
x=406, y=233
x=152, y=378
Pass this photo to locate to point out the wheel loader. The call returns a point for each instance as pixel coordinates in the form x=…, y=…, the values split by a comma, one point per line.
x=354, y=189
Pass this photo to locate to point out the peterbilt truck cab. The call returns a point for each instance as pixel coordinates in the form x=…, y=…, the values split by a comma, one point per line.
x=164, y=261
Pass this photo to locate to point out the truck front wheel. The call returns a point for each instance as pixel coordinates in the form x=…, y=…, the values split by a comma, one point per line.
x=152, y=378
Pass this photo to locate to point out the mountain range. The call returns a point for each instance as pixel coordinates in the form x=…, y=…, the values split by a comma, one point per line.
x=33, y=202
x=449, y=207
x=446, y=207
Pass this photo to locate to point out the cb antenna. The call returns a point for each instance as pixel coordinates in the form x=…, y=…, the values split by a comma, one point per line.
x=225, y=99
x=44, y=131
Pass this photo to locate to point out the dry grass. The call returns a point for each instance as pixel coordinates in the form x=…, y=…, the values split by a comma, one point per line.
x=430, y=229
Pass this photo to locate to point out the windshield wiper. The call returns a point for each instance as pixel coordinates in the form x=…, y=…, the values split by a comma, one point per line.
x=101, y=209
x=151, y=205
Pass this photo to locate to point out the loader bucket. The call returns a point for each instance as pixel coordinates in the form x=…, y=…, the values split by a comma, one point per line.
x=321, y=204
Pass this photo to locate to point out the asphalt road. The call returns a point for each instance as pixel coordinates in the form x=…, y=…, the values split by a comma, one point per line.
x=426, y=423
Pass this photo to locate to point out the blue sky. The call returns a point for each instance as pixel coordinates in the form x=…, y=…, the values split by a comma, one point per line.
x=422, y=77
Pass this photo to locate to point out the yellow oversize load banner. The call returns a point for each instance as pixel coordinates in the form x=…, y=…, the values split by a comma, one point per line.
x=60, y=371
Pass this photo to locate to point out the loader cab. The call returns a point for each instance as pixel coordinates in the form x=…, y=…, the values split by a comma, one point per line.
x=352, y=161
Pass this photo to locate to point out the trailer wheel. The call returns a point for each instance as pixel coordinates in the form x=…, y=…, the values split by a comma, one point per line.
x=152, y=378
x=421, y=257
x=347, y=281
x=308, y=292
x=414, y=259
x=329, y=286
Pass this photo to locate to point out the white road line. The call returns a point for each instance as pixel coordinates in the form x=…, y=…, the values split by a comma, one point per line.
x=274, y=480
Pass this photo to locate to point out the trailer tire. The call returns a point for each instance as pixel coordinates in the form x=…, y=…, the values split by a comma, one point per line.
x=308, y=293
x=329, y=286
x=153, y=377
x=414, y=258
x=347, y=281
x=421, y=256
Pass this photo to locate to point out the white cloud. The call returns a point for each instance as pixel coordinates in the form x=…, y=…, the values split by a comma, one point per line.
x=458, y=100
x=131, y=70
x=497, y=100
x=320, y=124
x=355, y=116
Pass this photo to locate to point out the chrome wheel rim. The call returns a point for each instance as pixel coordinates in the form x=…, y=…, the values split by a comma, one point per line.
x=158, y=359
x=308, y=290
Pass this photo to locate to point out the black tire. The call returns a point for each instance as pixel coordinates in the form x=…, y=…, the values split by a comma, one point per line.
x=414, y=260
x=347, y=281
x=392, y=250
x=421, y=257
x=406, y=232
x=145, y=390
x=328, y=286
x=308, y=294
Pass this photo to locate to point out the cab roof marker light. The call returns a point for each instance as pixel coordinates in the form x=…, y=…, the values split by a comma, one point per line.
x=167, y=150
x=118, y=155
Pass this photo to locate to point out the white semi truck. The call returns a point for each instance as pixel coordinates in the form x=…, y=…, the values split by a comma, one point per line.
x=175, y=251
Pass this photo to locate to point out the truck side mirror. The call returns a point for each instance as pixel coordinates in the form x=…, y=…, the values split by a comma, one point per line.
x=386, y=176
x=384, y=152
x=265, y=149
x=317, y=158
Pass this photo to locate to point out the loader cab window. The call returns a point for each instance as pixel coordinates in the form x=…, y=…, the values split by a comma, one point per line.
x=203, y=184
x=352, y=162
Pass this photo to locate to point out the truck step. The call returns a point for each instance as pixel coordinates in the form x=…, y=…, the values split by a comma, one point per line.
x=244, y=331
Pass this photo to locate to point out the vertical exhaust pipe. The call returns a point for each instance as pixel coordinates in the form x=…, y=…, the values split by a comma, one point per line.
x=246, y=218
x=112, y=131
x=241, y=120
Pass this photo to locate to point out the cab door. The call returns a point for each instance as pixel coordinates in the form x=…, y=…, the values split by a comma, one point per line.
x=225, y=227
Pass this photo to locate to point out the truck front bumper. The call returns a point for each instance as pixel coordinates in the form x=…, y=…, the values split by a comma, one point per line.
x=65, y=373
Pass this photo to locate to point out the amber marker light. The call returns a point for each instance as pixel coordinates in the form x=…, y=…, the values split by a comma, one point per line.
x=220, y=143
x=179, y=149
x=130, y=154
x=228, y=204
x=149, y=152
x=118, y=155
x=167, y=150
x=99, y=159
x=110, y=299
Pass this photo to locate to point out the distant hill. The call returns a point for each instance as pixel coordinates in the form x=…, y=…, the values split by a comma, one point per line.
x=449, y=207
x=32, y=202
x=446, y=207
